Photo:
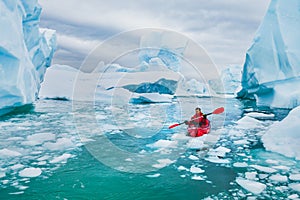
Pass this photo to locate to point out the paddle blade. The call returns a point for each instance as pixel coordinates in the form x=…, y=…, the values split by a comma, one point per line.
x=218, y=110
x=174, y=125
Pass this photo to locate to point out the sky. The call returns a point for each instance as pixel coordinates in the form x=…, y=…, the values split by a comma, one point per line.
x=225, y=29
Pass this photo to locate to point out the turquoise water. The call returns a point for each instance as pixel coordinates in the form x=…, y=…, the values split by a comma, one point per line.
x=72, y=170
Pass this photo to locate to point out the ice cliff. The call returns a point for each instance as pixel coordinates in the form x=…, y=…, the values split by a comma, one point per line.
x=271, y=72
x=25, y=52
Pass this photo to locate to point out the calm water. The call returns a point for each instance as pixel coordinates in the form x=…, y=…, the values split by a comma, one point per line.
x=67, y=144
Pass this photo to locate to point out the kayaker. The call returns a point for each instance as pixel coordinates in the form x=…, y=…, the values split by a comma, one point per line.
x=196, y=118
x=204, y=123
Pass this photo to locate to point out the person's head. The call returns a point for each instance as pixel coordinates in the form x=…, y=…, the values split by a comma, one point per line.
x=198, y=110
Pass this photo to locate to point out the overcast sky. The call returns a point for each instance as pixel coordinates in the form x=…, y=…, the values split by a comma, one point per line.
x=224, y=28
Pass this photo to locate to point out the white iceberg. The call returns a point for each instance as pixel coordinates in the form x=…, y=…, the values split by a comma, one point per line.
x=25, y=53
x=271, y=71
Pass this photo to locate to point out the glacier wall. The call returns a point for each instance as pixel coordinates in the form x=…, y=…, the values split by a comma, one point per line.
x=273, y=60
x=25, y=52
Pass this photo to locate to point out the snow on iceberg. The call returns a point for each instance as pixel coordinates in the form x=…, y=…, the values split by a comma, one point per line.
x=271, y=71
x=283, y=137
x=25, y=53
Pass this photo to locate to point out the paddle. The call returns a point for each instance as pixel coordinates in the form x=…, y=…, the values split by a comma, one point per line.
x=216, y=111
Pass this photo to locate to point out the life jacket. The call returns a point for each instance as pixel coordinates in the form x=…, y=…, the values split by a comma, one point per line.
x=196, y=118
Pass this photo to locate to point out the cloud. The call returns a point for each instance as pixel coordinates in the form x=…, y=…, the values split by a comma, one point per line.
x=224, y=28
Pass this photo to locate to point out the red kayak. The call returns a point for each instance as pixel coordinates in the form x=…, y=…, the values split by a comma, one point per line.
x=197, y=131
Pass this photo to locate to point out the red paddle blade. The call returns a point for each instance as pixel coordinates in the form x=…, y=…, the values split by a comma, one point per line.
x=218, y=110
x=174, y=125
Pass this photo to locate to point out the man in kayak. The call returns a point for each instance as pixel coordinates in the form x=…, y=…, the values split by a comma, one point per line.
x=198, y=125
x=196, y=118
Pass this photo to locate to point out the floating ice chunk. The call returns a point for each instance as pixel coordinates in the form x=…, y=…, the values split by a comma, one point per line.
x=251, y=186
x=281, y=167
x=60, y=144
x=153, y=175
x=272, y=161
x=164, y=144
x=283, y=137
x=260, y=115
x=294, y=177
x=61, y=159
x=278, y=178
x=39, y=138
x=195, y=143
x=196, y=170
x=264, y=169
x=219, y=152
x=240, y=164
x=216, y=159
x=2, y=174
x=151, y=98
x=241, y=142
x=248, y=123
x=163, y=163
x=30, y=172
x=197, y=178
x=295, y=186
x=182, y=168
x=192, y=157
x=9, y=153
x=293, y=196
x=251, y=175
x=17, y=166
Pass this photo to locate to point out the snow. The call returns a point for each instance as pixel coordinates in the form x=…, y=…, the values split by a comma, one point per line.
x=30, y=172
x=251, y=186
x=271, y=70
x=283, y=137
x=25, y=53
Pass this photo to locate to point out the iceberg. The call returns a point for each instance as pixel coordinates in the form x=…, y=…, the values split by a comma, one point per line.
x=283, y=137
x=229, y=82
x=25, y=53
x=271, y=70
x=136, y=87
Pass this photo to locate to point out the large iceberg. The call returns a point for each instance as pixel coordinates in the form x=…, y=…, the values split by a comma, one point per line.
x=271, y=71
x=25, y=52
